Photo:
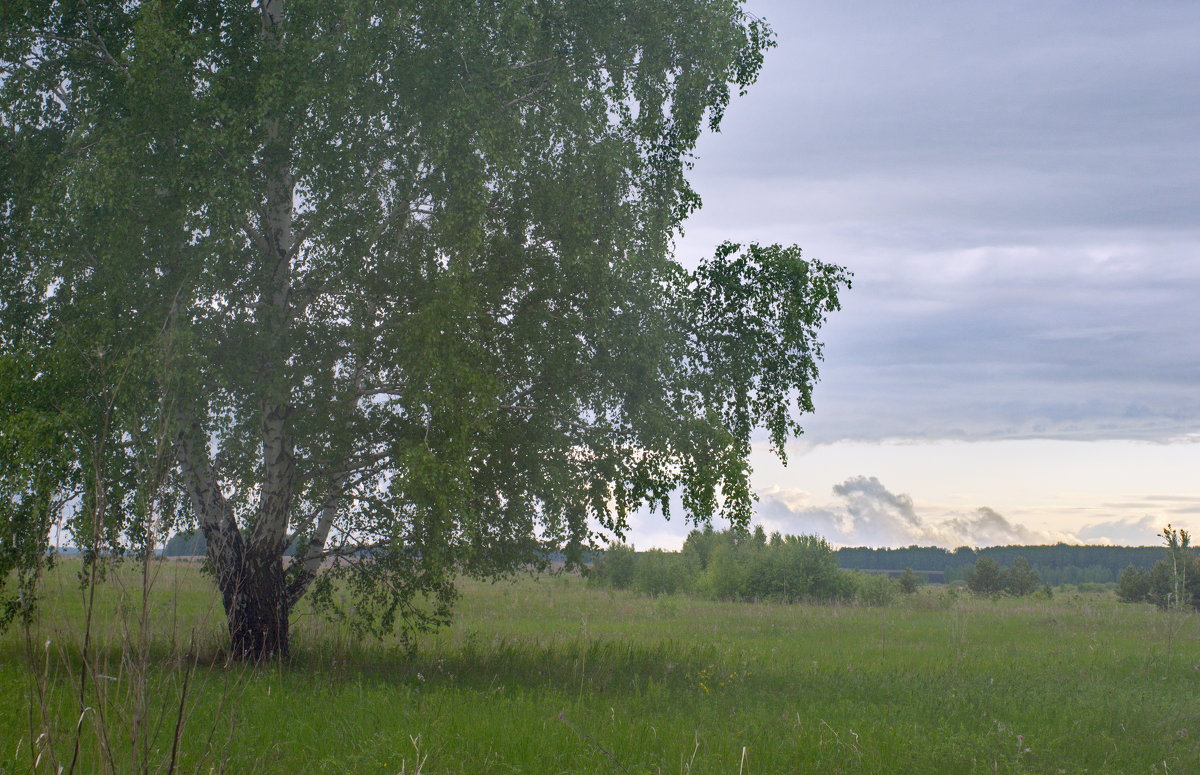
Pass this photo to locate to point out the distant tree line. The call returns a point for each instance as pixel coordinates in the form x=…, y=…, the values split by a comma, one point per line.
x=743, y=565
x=191, y=544
x=187, y=544
x=1055, y=565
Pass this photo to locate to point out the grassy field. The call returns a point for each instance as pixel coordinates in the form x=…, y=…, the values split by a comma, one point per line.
x=550, y=676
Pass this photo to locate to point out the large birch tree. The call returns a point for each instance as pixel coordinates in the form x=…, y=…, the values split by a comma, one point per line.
x=394, y=278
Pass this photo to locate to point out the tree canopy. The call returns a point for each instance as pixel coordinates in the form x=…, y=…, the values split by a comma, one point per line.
x=393, y=277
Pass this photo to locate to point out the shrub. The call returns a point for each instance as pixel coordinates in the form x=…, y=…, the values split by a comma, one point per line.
x=1175, y=582
x=659, y=573
x=908, y=582
x=614, y=567
x=874, y=589
x=800, y=567
x=724, y=579
x=741, y=565
x=985, y=578
x=1134, y=585
x=1020, y=579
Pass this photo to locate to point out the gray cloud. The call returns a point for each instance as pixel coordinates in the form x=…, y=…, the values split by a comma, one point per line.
x=987, y=527
x=1015, y=189
x=940, y=92
x=872, y=515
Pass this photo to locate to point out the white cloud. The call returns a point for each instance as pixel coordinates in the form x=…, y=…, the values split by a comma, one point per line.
x=1131, y=531
x=871, y=515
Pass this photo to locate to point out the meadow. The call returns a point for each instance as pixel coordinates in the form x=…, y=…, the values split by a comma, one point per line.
x=549, y=675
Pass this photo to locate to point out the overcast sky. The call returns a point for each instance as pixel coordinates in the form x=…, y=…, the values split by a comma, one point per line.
x=1016, y=187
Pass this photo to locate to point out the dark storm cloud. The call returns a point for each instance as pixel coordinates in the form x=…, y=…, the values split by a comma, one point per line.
x=1016, y=187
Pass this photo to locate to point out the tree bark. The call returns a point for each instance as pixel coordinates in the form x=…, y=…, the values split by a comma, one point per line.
x=249, y=575
x=258, y=622
x=306, y=567
x=258, y=618
x=249, y=567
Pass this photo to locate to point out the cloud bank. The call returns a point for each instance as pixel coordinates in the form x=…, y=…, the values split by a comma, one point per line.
x=1015, y=190
x=871, y=515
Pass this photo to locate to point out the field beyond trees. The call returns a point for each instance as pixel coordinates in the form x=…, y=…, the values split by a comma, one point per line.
x=550, y=675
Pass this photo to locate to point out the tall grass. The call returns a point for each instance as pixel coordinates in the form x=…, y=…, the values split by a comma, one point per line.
x=108, y=665
x=550, y=675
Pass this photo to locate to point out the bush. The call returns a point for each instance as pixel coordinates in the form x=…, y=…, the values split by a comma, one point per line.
x=798, y=568
x=740, y=565
x=660, y=573
x=744, y=565
x=908, y=582
x=1020, y=579
x=187, y=544
x=614, y=567
x=1173, y=582
x=724, y=579
x=986, y=578
x=874, y=589
x=1134, y=585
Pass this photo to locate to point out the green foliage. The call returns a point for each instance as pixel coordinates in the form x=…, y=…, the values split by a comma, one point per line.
x=875, y=589
x=1181, y=572
x=1162, y=586
x=1173, y=582
x=909, y=582
x=1134, y=585
x=614, y=567
x=1057, y=564
x=986, y=578
x=389, y=277
x=660, y=573
x=1020, y=579
x=740, y=565
x=189, y=543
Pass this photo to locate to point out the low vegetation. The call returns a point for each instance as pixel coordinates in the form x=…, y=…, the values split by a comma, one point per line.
x=988, y=578
x=1173, y=581
x=750, y=566
x=738, y=565
x=553, y=674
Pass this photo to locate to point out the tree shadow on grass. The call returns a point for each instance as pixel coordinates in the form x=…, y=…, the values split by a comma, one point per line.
x=594, y=664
